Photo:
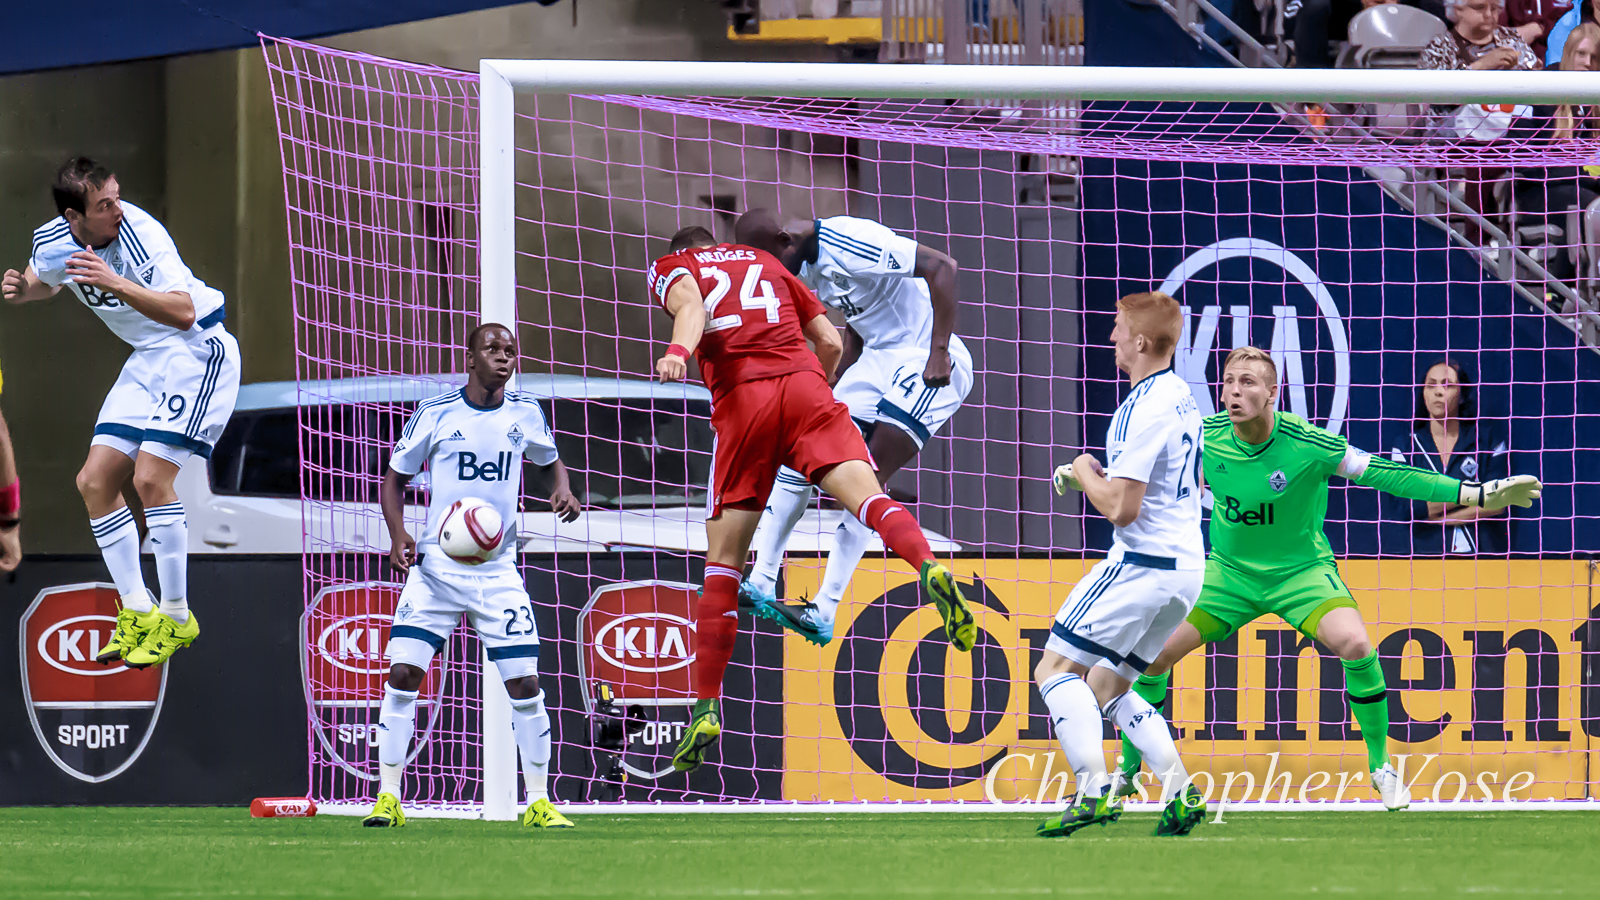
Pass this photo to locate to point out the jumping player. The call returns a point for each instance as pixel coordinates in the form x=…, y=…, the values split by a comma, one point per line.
x=905, y=375
x=1268, y=472
x=466, y=438
x=747, y=319
x=171, y=401
x=1124, y=609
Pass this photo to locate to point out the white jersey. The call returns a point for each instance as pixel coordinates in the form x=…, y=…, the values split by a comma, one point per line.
x=1155, y=438
x=864, y=270
x=142, y=252
x=471, y=451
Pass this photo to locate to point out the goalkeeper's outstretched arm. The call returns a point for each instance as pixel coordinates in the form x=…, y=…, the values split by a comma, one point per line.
x=1413, y=483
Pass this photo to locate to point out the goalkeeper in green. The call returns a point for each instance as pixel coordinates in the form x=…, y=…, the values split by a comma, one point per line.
x=1268, y=473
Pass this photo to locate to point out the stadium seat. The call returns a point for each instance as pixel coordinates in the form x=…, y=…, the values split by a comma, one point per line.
x=1389, y=37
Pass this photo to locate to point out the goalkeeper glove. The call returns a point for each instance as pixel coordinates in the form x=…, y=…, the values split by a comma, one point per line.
x=1064, y=480
x=1518, y=490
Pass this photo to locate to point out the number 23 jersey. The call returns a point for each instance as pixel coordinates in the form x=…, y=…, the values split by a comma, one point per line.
x=755, y=311
x=472, y=451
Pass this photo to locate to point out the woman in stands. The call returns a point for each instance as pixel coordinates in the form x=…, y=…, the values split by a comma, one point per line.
x=1477, y=40
x=1448, y=438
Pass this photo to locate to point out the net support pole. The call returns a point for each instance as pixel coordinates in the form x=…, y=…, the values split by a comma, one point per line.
x=497, y=246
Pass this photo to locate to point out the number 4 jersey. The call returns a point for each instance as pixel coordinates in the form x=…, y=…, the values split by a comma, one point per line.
x=754, y=313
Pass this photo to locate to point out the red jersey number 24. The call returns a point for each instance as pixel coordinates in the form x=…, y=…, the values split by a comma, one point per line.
x=748, y=297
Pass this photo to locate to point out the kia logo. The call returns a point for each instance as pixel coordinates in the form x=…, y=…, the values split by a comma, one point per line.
x=646, y=642
x=72, y=644
x=355, y=643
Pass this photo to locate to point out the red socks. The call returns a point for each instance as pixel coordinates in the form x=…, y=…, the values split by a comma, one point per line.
x=716, y=624
x=899, y=530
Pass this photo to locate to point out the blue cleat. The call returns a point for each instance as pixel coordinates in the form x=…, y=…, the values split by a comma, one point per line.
x=801, y=618
x=751, y=598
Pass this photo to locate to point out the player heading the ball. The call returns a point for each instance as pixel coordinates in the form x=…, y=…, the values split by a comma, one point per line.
x=903, y=376
x=171, y=401
x=1268, y=472
x=472, y=442
x=1124, y=609
x=746, y=319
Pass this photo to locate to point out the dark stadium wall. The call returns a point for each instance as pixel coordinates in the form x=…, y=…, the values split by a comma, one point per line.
x=231, y=724
x=1405, y=299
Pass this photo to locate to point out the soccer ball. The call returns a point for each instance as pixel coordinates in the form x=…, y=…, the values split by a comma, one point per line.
x=471, y=532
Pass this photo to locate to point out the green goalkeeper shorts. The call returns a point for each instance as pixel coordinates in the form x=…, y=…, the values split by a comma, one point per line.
x=1232, y=598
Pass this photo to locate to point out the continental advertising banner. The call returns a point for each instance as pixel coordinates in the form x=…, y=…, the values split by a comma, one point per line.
x=1493, y=669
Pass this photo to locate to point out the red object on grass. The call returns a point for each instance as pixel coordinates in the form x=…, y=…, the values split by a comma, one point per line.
x=282, y=807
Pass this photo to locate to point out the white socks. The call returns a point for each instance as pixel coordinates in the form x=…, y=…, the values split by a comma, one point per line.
x=1076, y=717
x=397, y=718
x=531, y=725
x=1144, y=725
x=849, y=543
x=791, y=493
x=118, y=538
x=169, y=538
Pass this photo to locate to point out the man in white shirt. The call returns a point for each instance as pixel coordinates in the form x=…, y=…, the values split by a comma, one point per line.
x=905, y=373
x=171, y=401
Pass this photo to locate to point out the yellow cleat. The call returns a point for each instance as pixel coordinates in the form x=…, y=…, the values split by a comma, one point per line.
x=703, y=731
x=543, y=814
x=132, y=629
x=386, y=813
x=165, y=639
x=959, y=625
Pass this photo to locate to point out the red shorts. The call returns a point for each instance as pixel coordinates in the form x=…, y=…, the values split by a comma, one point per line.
x=791, y=420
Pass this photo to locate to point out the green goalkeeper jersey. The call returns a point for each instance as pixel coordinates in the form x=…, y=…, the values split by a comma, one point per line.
x=1270, y=499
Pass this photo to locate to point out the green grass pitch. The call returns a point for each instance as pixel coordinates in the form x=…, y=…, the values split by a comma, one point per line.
x=128, y=853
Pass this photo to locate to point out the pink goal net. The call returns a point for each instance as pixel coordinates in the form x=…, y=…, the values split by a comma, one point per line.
x=1362, y=245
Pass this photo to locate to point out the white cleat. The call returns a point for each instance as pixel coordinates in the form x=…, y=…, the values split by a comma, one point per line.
x=1387, y=782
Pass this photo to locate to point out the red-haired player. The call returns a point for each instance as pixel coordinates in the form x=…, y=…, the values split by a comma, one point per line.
x=747, y=319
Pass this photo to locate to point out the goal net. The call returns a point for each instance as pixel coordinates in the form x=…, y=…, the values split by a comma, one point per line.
x=1363, y=241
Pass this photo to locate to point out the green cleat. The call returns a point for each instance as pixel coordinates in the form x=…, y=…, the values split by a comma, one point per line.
x=703, y=731
x=386, y=813
x=1182, y=814
x=165, y=639
x=1126, y=785
x=543, y=814
x=959, y=626
x=132, y=629
x=1083, y=812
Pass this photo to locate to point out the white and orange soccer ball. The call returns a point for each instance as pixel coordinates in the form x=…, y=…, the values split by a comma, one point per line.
x=471, y=532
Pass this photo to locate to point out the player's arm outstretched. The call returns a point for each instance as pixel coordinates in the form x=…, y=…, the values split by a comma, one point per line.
x=688, y=311
x=26, y=286
x=1413, y=483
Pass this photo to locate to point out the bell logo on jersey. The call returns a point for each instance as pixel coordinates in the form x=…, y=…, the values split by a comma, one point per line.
x=469, y=469
x=1233, y=511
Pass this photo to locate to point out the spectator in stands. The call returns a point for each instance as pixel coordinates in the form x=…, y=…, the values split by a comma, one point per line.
x=1533, y=20
x=1550, y=195
x=1448, y=438
x=1313, y=23
x=1478, y=40
x=1555, y=43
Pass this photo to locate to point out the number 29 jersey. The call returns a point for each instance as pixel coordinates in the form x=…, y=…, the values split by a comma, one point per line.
x=755, y=311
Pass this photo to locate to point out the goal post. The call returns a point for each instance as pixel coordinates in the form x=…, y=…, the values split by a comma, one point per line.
x=536, y=192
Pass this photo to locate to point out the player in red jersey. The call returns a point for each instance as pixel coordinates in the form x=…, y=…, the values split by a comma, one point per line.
x=747, y=320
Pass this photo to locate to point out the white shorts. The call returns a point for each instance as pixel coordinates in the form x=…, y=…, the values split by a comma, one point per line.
x=497, y=606
x=885, y=385
x=172, y=400
x=1123, y=613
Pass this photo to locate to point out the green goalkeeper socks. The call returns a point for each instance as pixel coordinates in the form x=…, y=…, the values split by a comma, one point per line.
x=1153, y=688
x=1369, y=700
